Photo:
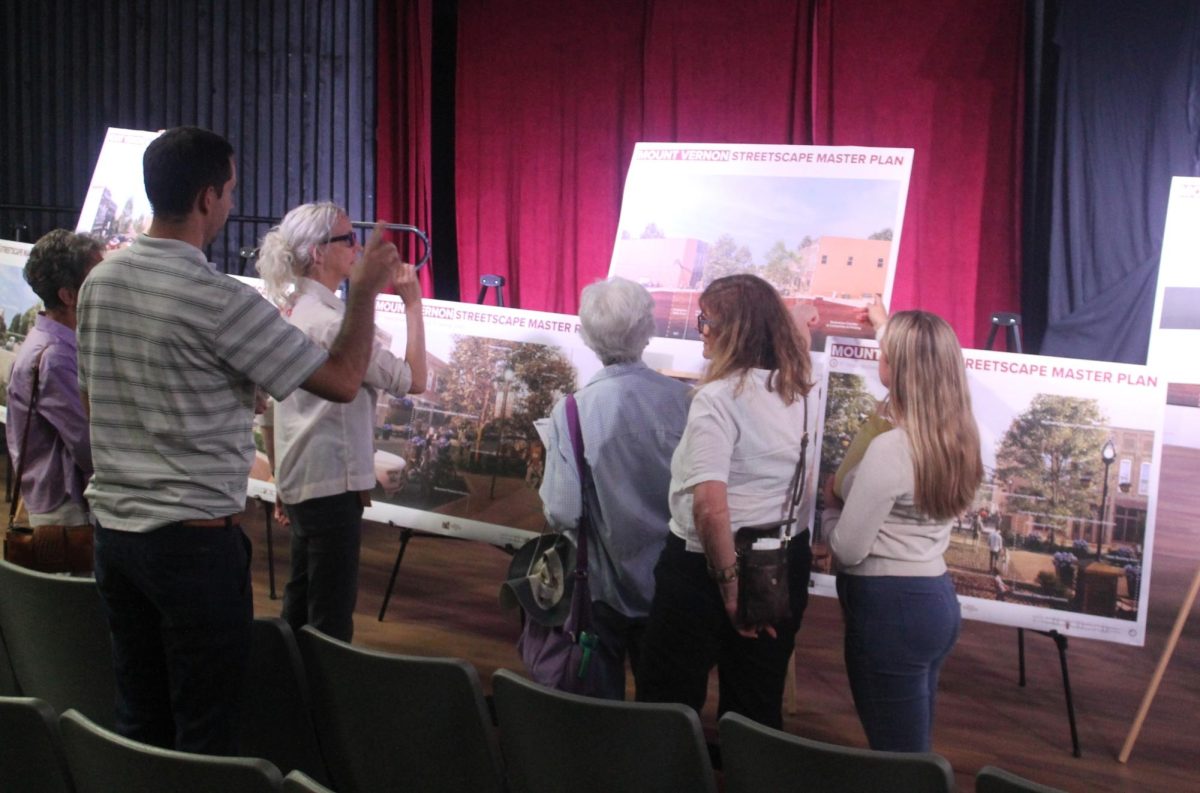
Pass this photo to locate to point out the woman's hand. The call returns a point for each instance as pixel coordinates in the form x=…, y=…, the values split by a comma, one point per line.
x=407, y=285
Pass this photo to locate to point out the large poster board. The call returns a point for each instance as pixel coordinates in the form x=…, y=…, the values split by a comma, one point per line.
x=116, y=209
x=1047, y=491
x=18, y=307
x=464, y=458
x=821, y=223
x=1175, y=330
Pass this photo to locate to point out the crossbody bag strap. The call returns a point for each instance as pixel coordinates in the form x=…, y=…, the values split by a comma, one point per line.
x=12, y=507
x=580, y=613
x=796, y=488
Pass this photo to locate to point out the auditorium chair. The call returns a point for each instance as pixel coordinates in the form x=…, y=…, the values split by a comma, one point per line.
x=31, y=748
x=991, y=779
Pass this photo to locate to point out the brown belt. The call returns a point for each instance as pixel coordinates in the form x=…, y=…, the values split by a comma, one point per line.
x=227, y=522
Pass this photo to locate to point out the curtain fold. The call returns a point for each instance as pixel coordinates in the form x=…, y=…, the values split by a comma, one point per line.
x=402, y=132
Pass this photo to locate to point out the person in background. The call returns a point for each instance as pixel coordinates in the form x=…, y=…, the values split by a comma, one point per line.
x=323, y=452
x=889, y=536
x=170, y=353
x=631, y=419
x=733, y=467
x=58, y=451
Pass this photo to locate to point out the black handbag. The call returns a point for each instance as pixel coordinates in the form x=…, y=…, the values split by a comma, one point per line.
x=764, y=596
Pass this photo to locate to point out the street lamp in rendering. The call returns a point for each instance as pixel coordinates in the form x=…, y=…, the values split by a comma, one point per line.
x=1107, y=454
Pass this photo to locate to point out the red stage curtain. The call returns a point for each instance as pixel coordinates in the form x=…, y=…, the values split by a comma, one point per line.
x=402, y=149
x=552, y=95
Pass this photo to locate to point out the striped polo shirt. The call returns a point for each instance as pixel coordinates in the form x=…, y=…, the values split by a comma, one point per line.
x=170, y=351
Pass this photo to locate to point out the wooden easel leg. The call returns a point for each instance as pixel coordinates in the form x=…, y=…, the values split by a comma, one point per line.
x=405, y=535
x=1163, y=660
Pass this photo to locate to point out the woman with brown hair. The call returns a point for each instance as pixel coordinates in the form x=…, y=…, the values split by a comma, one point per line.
x=888, y=538
x=732, y=468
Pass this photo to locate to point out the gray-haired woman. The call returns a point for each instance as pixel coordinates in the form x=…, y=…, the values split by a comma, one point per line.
x=631, y=418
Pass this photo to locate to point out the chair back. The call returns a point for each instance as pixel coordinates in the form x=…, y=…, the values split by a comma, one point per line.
x=58, y=641
x=558, y=742
x=8, y=680
x=757, y=758
x=991, y=779
x=394, y=722
x=31, y=753
x=300, y=782
x=102, y=761
x=275, y=718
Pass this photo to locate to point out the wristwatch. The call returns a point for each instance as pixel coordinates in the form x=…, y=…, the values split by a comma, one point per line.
x=725, y=575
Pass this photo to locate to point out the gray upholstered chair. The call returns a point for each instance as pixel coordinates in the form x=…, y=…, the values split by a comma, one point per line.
x=31, y=748
x=300, y=782
x=8, y=680
x=556, y=742
x=991, y=779
x=102, y=762
x=757, y=758
x=58, y=642
x=393, y=722
x=275, y=720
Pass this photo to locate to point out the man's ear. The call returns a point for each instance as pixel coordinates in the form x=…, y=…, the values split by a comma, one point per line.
x=204, y=200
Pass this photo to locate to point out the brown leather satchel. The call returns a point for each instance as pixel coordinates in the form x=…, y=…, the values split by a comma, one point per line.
x=47, y=549
x=764, y=597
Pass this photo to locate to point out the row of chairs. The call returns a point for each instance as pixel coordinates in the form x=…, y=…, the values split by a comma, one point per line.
x=361, y=720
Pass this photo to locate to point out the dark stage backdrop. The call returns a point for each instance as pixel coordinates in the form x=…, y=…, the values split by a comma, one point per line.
x=1121, y=116
x=290, y=82
x=552, y=96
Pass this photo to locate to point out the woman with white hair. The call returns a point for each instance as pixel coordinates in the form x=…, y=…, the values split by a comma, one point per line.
x=631, y=418
x=324, y=451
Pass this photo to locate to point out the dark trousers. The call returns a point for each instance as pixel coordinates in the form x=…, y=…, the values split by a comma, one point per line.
x=180, y=611
x=899, y=630
x=620, y=637
x=688, y=632
x=323, y=589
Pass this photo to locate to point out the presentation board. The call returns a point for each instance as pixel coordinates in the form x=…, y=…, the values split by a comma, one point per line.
x=1078, y=534
x=18, y=306
x=820, y=223
x=115, y=209
x=1175, y=329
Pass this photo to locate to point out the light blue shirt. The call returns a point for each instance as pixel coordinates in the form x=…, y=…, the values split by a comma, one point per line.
x=631, y=419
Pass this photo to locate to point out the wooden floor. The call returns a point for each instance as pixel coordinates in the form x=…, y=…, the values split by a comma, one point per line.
x=445, y=604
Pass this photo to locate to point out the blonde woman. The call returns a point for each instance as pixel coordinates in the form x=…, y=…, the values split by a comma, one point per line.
x=732, y=468
x=888, y=537
x=323, y=452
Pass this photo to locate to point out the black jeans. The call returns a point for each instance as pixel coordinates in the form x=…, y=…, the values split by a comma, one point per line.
x=323, y=588
x=180, y=611
x=689, y=632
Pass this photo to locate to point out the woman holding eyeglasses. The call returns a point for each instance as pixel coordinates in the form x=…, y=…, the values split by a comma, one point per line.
x=920, y=470
x=732, y=468
x=323, y=452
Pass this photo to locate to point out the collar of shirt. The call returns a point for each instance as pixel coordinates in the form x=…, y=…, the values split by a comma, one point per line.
x=162, y=247
x=55, y=329
x=616, y=370
x=308, y=286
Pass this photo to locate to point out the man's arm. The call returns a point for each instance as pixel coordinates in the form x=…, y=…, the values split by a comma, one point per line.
x=340, y=377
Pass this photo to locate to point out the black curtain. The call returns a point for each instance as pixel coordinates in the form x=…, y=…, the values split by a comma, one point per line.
x=1113, y=114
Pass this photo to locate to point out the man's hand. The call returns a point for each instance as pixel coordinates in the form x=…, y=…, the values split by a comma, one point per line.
x=378, y=265
x=729, y=595
x=407, y=285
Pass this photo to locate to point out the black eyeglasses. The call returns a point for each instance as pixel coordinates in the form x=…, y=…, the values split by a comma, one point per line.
x=702, y=322
x=347, y=238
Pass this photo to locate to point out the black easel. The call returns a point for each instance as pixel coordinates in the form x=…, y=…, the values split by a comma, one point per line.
x=490, y=281
x=1012, y=328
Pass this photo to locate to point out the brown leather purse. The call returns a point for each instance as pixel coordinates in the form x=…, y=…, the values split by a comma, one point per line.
x=764, y=597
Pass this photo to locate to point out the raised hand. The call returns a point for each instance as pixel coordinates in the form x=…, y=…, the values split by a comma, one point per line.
x=407, y=285
x=378, y=265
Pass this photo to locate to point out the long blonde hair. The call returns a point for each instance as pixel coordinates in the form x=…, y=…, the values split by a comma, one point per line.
x=930, y=400
x=750, y=328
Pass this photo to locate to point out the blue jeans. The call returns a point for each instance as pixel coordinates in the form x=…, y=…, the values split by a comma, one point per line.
x=322, y=591
x=180, y=611
x=899, y=630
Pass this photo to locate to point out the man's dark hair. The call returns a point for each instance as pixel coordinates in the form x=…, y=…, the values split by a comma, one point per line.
x=179, y=164
x=59, y=259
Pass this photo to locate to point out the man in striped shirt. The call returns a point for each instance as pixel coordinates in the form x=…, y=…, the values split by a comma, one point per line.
x=170, y=353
